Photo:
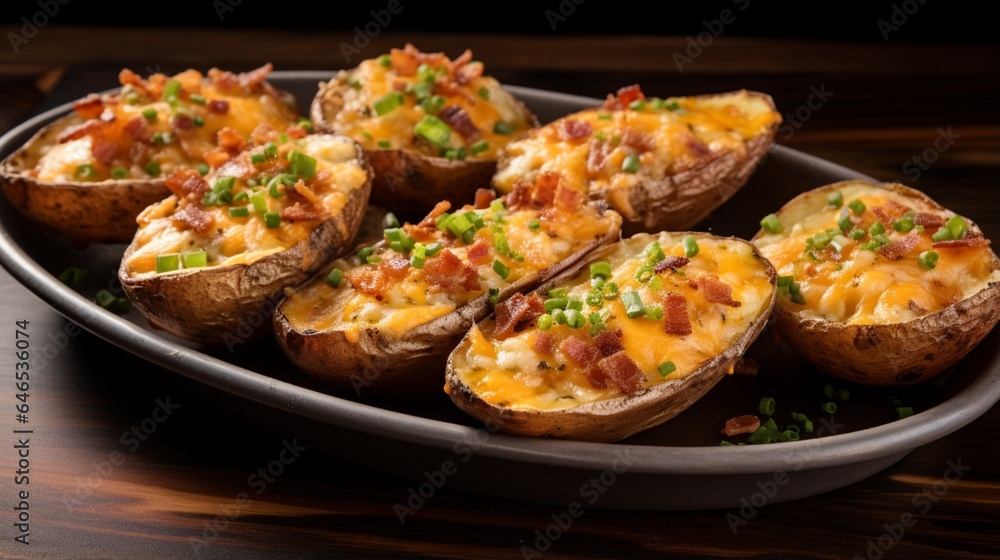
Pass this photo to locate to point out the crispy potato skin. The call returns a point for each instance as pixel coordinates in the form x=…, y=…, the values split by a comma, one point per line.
x=889, y=354
x=85, y=212
x=611, y=419
x=218, y=305
x=412, y=364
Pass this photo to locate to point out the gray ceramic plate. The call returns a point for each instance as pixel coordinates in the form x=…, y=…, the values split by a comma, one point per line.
x=676, y=466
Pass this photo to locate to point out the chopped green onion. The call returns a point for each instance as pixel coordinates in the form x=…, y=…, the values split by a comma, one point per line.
x=942, y=234
x=258, y=158
x=766, y=406
x=637, y=105
x=433, y=129
x=203, y=169
x=494, y=296
x=105, y=299
x=843, y=394
x=335, y=277
x=600, y=270
x=630, y=164
x=152, y=168
x=770, y=424
x=610, y=290
x=274, y=185
x=417, y=262
x=306, y=124
x=903, y=224
x=119, y=173
x=259, y=201
x=828, y=391
x=672, y=105
x=771, y=224
x=666, y=368
x=502, y=127
x=74, y=277
x=596, y=324
x=364, y=253
x=484, y=93
x=534, y=224
x=271, y=150
x=171, y=91
x=839, y=242
x=876, y=229
x=195, y=259
x=574, y=303
x=904, y=412
x=150, y=114
x=480, y=147
x=654, y=313
x=857, y=234
x=167, y=262
x=828, y=407
x=655, y=284
x=238, y=211
x=956, y=226
x=857, y=207
x=633, y=305
x=272, y=219
x=690, y=246
x=575, y=319
x=501, y=269
x=384, y=61
x=643, y=274
x=86, y=171
x=835, y=199
x=433, y=104
x=654, y=252
x=432, y=249
x=604, y=116
x=198, y=120
x=301, y=164
x=595, y=298
x=559, y=316
x=197, y=99
x=791, y=435
x=388, y=102
x=544, y=322
x=928, y=260
x=845, y=224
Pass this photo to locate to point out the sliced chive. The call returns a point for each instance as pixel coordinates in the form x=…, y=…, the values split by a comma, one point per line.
x=335, y=277
x=152, y=168
x=171, y=91
x=654, y=313
x=766, y=406
x=502, y=127
x=203, y=169
x=655, y=283
x=480, y=147
x=239, y=211
x=258, y=158
x=666, y=368
x=595, y=298
x=600, y=270
x=119, y=173
x=74, y=277
x=791, y=435
x=306, y=124
x=610, y=290
x=956, y=226
x=197, y=99
x=845, y=224
x=105, y=299
x=633, y=305
x=828, y=407
x=835, y=199
x=433, y=104
x=272, y=219
x=384, y=144
x=384, y=61
x=928, y=260
x=388, y=103
x=484, y=93
x=630, y=164
x=604, y=116
x=544, y=322
x=575, y=319
x=259, y=201
x=771, y=224
x=876, y=229
x=150, y=114
x=301, y=164
x=501, y=269
x=198, y=120
x=167, y=262
x=433, y=129
x=494, y=296
x=86, y=171
x=534, y=224
x=196, y=259
x=904, y=412
x=857, y=207
x=637, y=105
x=690, y=246
x=942, y=234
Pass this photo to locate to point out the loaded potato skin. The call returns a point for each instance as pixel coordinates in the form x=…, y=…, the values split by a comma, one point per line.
x=89, y=174
x=880, y=284
x=650, y=325
x=224, y=246
x=384, y=320
x=663, y=164
x=432, y=127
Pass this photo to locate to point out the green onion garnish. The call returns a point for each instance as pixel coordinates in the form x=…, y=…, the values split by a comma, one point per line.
x=480, y=147
x=534, y=224
x=259, y=201
x=666, y=368
x=119, y=173
x=771, y=224
x=828, y=407
x=167, y=262
x=433, y=104
x=637, y=105
x=195, y=259
x=633, y=305
x=876, y=229
x=388, y=102
x=956, y=226
x=258, y=158
x=150, y=114
x=845, y=224
x=654, y=313
x=857, y=207
x=904, y=412
x=595, y=298
x=74, y=277
x=600, y=270
x=544, y=322
x=364, y=253
x=433, y=129
x=835, y=199
x=575, y=319
x=484, y=93
x=690, y=246
x=335, y=277
x=203, y=169
x=197, y=98
x=239, y=211
x=501, y=127
x=643, y=274
x=152, y=168
x=766, y=406
x=928, y=260
x=384, y=144
x=610, y=290
x=272, y=219
x=501, y=269
x=301, y=164
x=86, y=171
x=306, y=124
x=384, y=61
x=171, y=91
x=630, y=164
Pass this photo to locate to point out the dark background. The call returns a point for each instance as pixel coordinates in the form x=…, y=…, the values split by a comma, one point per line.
x=929, y=21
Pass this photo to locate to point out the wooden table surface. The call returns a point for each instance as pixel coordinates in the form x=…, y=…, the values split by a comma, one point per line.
x=98, y=493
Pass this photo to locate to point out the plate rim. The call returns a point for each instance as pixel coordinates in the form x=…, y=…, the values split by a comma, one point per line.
x=893, y=438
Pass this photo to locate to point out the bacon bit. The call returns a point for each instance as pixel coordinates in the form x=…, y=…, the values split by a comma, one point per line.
x=137, y=128
x=546, y=185
x=254, y=78
x=670, y=263
x=717, y=291
x=458, y=119
x=515, y=310
x=484, y=197
x=623, y=371
x=425, y=230
x=222, y=79
x=580, y=351
x=183, y=123
x=218, y=106
x=964, y=242
x=439, y=208
x=697, y=150
x=299, y=213
x=230, y=140
x=598, y=379
x=397, y=266
x=479, y=252
x=746, y=366
x=599, y=152
x=447, y=272
x=675, y=314
x=468, y=72
x=898, y=249
x=623, y=97
x=520, y=195
x=574, y=129
x=89, y=107
x=746, y=424
x=104, y=151
x=367, y=280
x=79, y=131
x=129, y=78
x=640, y=141
x=187, y=183
x=544, y=343
x=889, y=212
x=928, y=220
x=608, y=343
x=194, y=218
x=568, y=201
x=305, y=192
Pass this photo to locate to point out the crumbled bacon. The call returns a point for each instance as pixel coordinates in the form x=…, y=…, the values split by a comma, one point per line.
x=407, y=60
x=746, y=424
x=299, y=213
x=89, y=107
x=129, y=78
x=194, y=218
x=468, y=72
x=545, y=187
x=104, y=151
x=447, y=272
x=568, y=201
x=580, y=351
x=675, y=314
x=479, y=252
x=898, y=249
x=424, y=231
x=187, y=183
x=137, y=128
x=964, y=242
x=623, y=371
x=638, y=140
x=574, y=129
x=544, y=342
x=520, y=195
x=608, y=343
x=515, y=310
x=717, y=291
x=670, y=263
x=367, y=280
x=597, y=377
x=484, y=197
x=254, y=78
x=79, y=131
x=183, y=122
x=598, y=155
x=889, y=212
x=460, y=121
x=396, y=265
x=231, y=140
x=929, y=221
x=218, y=106
x=623, y=97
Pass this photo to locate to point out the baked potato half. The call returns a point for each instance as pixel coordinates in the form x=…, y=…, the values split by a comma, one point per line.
x=622, y=345
x=215, y=256
x=89, y=174
x=663, y=164
x=385, y=320
x=431, y=127
x=879, y=284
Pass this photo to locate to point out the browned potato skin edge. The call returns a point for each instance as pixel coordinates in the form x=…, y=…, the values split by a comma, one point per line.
x=893, y=354
x=200, y=305
x=412, y=364
x=617, y=418
x=408, y=183
x=85, y=212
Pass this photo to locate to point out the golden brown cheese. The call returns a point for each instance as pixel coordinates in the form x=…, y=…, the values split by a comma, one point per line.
x=235, y=238
x=514, y=372
x=863, y=286
x=391, y=94
x=149, y=128
x=510, y=244
x=604, y=149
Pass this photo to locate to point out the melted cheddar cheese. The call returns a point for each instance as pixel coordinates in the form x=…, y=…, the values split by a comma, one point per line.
x=521, y=372
x=151, y=127
x=234, y=228
x=508, y=245
x=385, y=98
x=868, y=281
x=615, y=148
